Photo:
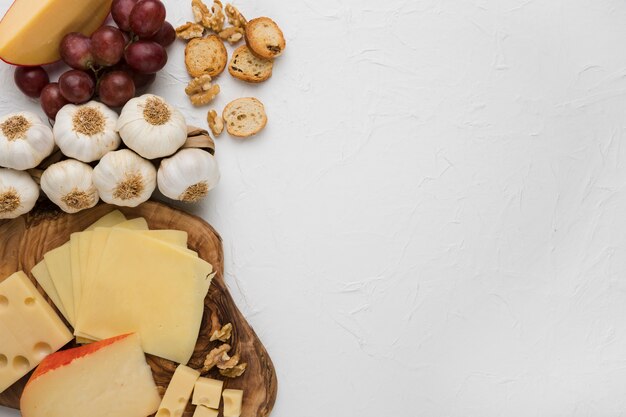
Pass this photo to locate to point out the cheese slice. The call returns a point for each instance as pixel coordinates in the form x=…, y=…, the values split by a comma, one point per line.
x=31, y=329
x=149, y=287
x=208, y=392
x=178, y=392
x=233, y=400
x=60, y=296
x=41, y=274
x=59, y=266
x=32, y=30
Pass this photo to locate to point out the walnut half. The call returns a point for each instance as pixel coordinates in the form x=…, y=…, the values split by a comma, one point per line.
x=224, y=333
x=219, y=355
x=201, y=91
x=216, y=124
x=235, y=371
x=232, y=34
x=213, y=18
x=235, y=17
x=189, y=31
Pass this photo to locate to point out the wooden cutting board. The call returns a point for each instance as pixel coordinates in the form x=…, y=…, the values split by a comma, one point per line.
x=24, y=241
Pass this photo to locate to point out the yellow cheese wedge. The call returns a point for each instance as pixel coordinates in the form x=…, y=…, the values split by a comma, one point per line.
x=31, y=330
x=178, y=392
x=149, y=287
x=32, y=30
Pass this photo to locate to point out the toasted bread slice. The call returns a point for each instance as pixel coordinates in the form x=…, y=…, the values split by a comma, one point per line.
x=245, y=66
x=264, y=38
x=244, y=117
x=205, y=56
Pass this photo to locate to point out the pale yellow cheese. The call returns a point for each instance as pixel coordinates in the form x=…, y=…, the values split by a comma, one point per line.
x=31, y=31
x=178, y=392
x=202, y=411
x=208, y=392
x=59, y=266
x=59, y=283
x=150, y=287
x=41, y=274
x=233, y=399
x=31, y=330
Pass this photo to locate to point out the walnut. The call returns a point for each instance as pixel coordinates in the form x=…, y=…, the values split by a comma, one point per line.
x=201, y=91
x=235, y=371
x=216, y=124
x=235, y=17
x=189, y=30
x=228, y=363
x=224, y=333
x=218, y=355
x=232, y=34
x=213, y=18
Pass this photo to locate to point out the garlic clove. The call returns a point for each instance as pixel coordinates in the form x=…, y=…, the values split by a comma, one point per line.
x=188, y=176
x=123, y=178
x=86, y=132
x=151, y=127
x=25, y=141
x=69, y=185
x=18, y=193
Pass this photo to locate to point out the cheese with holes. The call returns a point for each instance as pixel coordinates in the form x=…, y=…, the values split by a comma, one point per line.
x=202, y=411
x=178, y=392
x=105, y=379
x=32, y=30
x=208, y=392
x=233, y=400
x=30, y=329
x=167, y=313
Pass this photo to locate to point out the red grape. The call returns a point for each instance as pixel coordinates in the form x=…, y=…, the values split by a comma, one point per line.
x=52, y=100
x=116, y=88
x=76, y=86
x=107, y=45
x=142, y=80
x=146, y=57
x=75, y=51
x=165, y=36
x=120, y=11
x=31, y=80
x=147, y=18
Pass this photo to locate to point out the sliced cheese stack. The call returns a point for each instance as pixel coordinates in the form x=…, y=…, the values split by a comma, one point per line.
x=29, y=329
x=120, y=277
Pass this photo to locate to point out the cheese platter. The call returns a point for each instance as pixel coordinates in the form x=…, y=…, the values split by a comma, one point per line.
x=25, y=240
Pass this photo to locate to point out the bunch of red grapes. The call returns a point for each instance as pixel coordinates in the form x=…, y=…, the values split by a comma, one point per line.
x=113, y=63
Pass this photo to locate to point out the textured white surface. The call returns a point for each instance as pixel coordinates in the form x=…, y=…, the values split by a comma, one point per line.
x=433, y=223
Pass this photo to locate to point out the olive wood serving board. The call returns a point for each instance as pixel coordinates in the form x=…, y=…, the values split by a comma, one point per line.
x=24, y=241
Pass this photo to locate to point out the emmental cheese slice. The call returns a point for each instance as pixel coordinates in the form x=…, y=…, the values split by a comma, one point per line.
x=41, y=274
x=149, y=287
x=208, y=392
x=178, y=392
x=31, y=329
x=31, y=31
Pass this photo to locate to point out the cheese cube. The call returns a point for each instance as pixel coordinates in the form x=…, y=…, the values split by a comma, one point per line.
x=31, y=330
x=207, y=393
x=178, y=392
x=202, y=411
x=233, y=398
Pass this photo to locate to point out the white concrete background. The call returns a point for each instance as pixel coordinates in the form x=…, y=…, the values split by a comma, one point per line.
x=434, y=221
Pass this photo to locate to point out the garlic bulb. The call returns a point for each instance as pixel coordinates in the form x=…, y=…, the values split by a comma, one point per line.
x=151, y=127
x=124, y=178
x=86, y=132
x=25, y=141
x=18, y=193
x=189, y=175
x=69, y=185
